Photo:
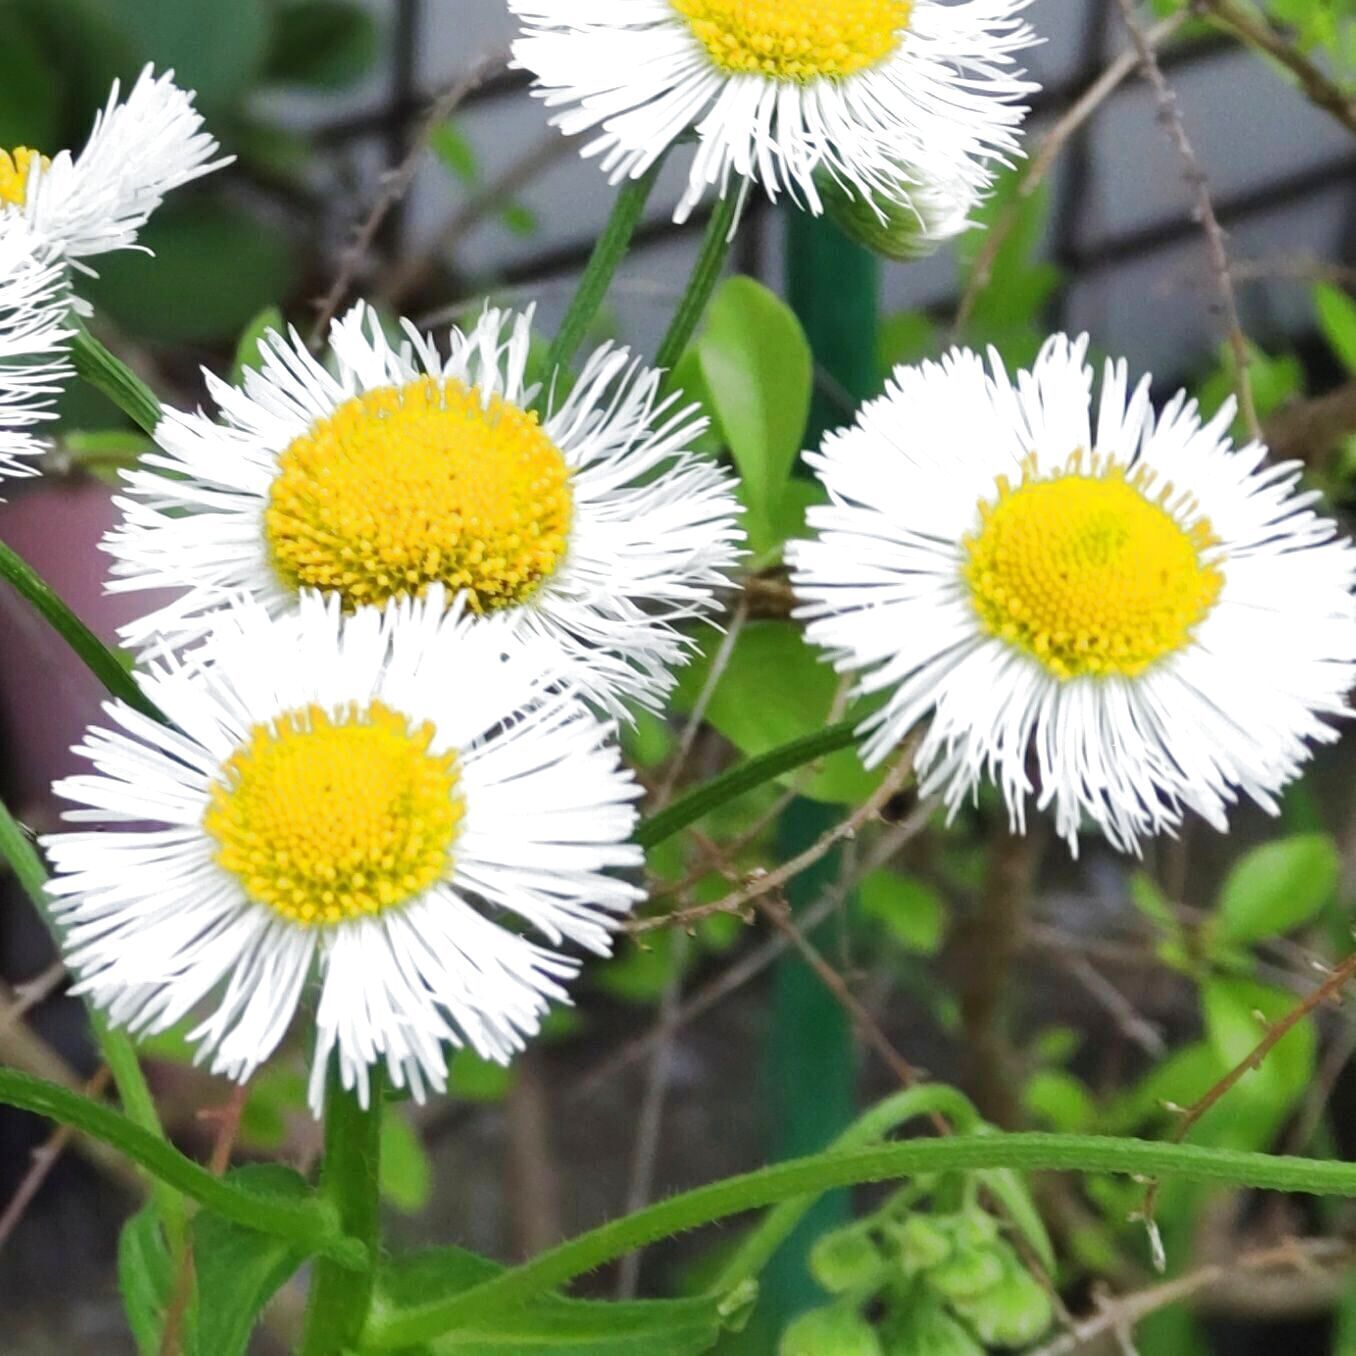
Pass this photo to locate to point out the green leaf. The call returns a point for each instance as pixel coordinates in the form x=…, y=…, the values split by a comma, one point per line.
x=646, y=1328
x=406, y=1178
x=239, y=1270
x=839, y=1329
x=214, y=48
x=325, y=44
x=1337, y=317
x=1059, y=1100
x=216, y=267
x=450, y=145
x=30, y=90
x=759, y=374
x=912, y=911
x=145, y=1278
x=248, y=352
x=906, y=337
x=775, y=689
x=1237, y=1013
x=1275, y=888
x=474, y=1079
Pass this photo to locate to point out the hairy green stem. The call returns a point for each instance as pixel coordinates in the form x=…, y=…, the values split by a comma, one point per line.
x=1026, y=1152
x=313, y=1224
x=744, y=778
x=88, y=648
x=115, y=379
x=705, y=275
x=602, y=266
x=340, y=1299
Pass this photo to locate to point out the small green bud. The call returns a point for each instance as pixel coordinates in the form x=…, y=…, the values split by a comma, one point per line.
x=976, y=1228
x=1013, y=1313
x=909, y=225
x=844, y=1259
x=926, y=1329
x=836, y=1331
x=922, y=1244
x=966, y=1273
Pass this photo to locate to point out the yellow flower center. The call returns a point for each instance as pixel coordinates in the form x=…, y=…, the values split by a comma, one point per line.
x=796, y=40
x=15, y=167
x=327, y=818
x=1089, y=571
x=408, y=486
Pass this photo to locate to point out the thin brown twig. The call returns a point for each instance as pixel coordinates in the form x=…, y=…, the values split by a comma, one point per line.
x=396, y=183
x=31, y=993
x=45, y=1158
x=1041, y=163
x=1218, y=251
x=1300, y=267
x=1318, y=88
x=768, y=881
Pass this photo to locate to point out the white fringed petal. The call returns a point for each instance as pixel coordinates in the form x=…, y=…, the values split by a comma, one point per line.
x=1234, y=712
x=155, y=929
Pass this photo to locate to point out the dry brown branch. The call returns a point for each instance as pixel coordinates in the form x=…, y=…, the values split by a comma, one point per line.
x=1121, y=1314
x=1205, y=211
x=1300, y=267
x=737, y=901
x=395, y=184
x=1041, y=163
x=533, y=1180
x=32, y=993
x=1318, y=88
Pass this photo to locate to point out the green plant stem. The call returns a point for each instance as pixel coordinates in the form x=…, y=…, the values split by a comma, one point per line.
x=313, y=1224
x=115, y=379
x=883, y=1118
x=115, y=1048
x=602, y=266
x=337, y=1308
x=1027, y=1152
x=705, y=275
x=92, y=652
x=744, y=778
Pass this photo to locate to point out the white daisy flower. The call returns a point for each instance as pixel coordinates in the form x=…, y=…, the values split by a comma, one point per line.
x=777, y=90
x=592, y=526
x=138, y=150
x=33, y=340
x=392, y=799
x=1130, y=623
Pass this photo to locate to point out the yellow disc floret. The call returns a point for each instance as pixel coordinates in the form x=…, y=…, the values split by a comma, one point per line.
x=326, y=818
x=408, y=486
x=15, y=167
x=1089, y=570
x=796, y=40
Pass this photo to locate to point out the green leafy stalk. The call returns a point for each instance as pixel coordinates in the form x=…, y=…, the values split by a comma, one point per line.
x=710, y=264
x=339, y=1300
x=92, y=652
x=602, y=266
x=824, y=1172
x=744, y=778
x=312, y=1224
x=115, y=379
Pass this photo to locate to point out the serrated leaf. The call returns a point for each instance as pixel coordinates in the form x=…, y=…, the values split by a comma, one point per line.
x=758, y=371
x=1275, y=888
x=239, y=1270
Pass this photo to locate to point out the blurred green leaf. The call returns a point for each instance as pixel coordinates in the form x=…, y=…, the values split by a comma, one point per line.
x=215, y=48
x=215, y=268
x=406, y=1178
x=1276, y=887
x=1337, y=318
x=1150, y=901
x=145, y=1278
x=455, y=151
x=912, y=911
x=758, y=372
x=239, y=1270
x=248, y=354
x=30, y=89
x=906, y=337
x=1060, y=1100
x=1275, y=380
x=474, y=1079
x=639, y=973
x=325, y=44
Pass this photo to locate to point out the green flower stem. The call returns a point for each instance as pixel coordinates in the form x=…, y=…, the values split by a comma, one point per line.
x=883, y=1118
x=744, y=778
x=340, y=1299
x=710, y=264
x=115, y=379
x=115, y=1048
x=823, y=1172
x=93, y=653
x=602, y=266
x=312, y=1224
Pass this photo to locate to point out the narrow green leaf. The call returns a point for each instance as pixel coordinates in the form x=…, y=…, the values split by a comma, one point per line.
x=1337, y=316
x=405, y=1175
x=109, y=374
x=310, y=1223
x=1276, y=887
x=248, y=354
x=743, y=779
x=145, y=1278
x=102, y=662
x=239, y=1270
